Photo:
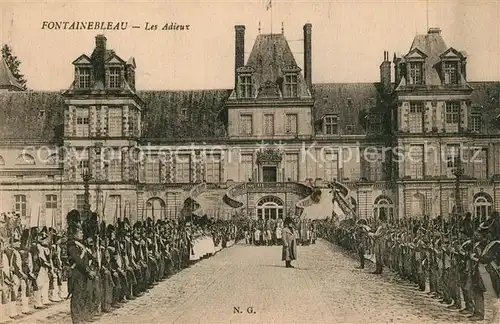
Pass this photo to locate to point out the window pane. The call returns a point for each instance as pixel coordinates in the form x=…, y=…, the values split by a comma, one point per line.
x=291, y=124
x=268, y=124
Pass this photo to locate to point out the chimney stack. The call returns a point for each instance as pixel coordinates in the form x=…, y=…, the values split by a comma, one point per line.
x=98, y=57
x=307, y=55
x=385, y=73
x=239, y=50
x=434, y=30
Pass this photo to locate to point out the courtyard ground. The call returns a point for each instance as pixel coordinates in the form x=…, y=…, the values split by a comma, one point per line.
x=248, y=284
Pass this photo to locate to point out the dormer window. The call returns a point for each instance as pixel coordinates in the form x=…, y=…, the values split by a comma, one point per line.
x=114, y=77
x=451, y=72
x=290, y=86
x=84, y=77
x=415, y=75
x=331, y=125
x=246, y=86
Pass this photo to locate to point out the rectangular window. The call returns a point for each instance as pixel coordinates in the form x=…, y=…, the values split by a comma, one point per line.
x=269, y=124
x=479, y=161
x=450, y=72
x=173, y=203
x=50, y=201
x=476, y=123
x=416, y=124
x=246, y=127
x=291, y=124
x=291, y=167
x=82, y=122
x=183, y=169
x=246, y=167
x=374, y=123
x=20, y=205
x=114, y=77
x=115, y=122
x=291, y=86
x=373, y=164
x=83, y=166
x=330, y=166
x=246, y=86
x=80, y=202
x=331, y=125
x=452, y=158
x=115, y=207
x=416, y=161
x=452, y=116
x=153, y=169
x=115, y=167
x=84, y=78
x=212, y=168
x=415, y=75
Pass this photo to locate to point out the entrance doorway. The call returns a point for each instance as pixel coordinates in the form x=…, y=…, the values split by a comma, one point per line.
x=270, y=208
x=269, y=174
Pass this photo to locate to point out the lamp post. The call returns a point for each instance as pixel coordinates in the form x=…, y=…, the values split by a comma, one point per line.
x=458, y=172
x=86, y=196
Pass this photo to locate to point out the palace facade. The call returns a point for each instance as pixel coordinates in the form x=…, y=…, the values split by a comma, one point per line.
x=264, y=148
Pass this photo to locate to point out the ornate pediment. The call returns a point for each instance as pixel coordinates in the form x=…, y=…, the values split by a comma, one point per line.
x=451, y=53
x=245, y=69
x=82, y=60
x=415, y=54
x=291, y=69
x=269, y=155
x=115, y=59
x=269, y=90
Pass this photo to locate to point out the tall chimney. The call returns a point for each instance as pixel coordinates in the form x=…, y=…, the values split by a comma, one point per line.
x=98, y=57
x=307, y=55
x=385, y=73
x=239, y=59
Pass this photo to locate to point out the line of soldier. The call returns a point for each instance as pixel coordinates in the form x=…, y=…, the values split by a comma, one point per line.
x=456, y=260
x=32, y=266
x=111, y=264
x=268, y=232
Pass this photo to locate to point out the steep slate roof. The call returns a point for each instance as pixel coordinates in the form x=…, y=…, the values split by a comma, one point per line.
x=486, y=100
x=7, y=80
x=269, y=56
x=163, y=114
x=432, y=45
x=20, y=116
x=333, y=98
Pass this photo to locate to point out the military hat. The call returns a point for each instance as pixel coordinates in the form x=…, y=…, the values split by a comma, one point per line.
x=137, y=225
x=110, y=229
x=73, y=218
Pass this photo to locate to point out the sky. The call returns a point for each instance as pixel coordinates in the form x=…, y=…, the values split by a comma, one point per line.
x=349, y=37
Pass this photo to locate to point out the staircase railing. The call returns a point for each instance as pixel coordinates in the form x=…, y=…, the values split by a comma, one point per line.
x=195, y=192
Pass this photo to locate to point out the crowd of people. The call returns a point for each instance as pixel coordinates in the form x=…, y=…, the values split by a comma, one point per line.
x=270, y=232
x=105, y=265
x=454, y=260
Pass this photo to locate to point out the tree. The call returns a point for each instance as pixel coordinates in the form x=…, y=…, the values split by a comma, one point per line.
x=13, y=63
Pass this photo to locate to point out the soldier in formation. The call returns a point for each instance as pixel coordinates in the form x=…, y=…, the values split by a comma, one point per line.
x=455, y=261
x=105, y=265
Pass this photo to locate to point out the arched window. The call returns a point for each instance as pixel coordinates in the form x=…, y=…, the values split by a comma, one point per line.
x=270, y=207
x=2, y=161
x=383, y=206
x=51, y=159
x=482, y=205
x=155, y=208
x=418, y=205
x=25, y=159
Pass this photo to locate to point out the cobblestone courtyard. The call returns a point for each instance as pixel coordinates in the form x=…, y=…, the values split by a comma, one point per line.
x=323, y=288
